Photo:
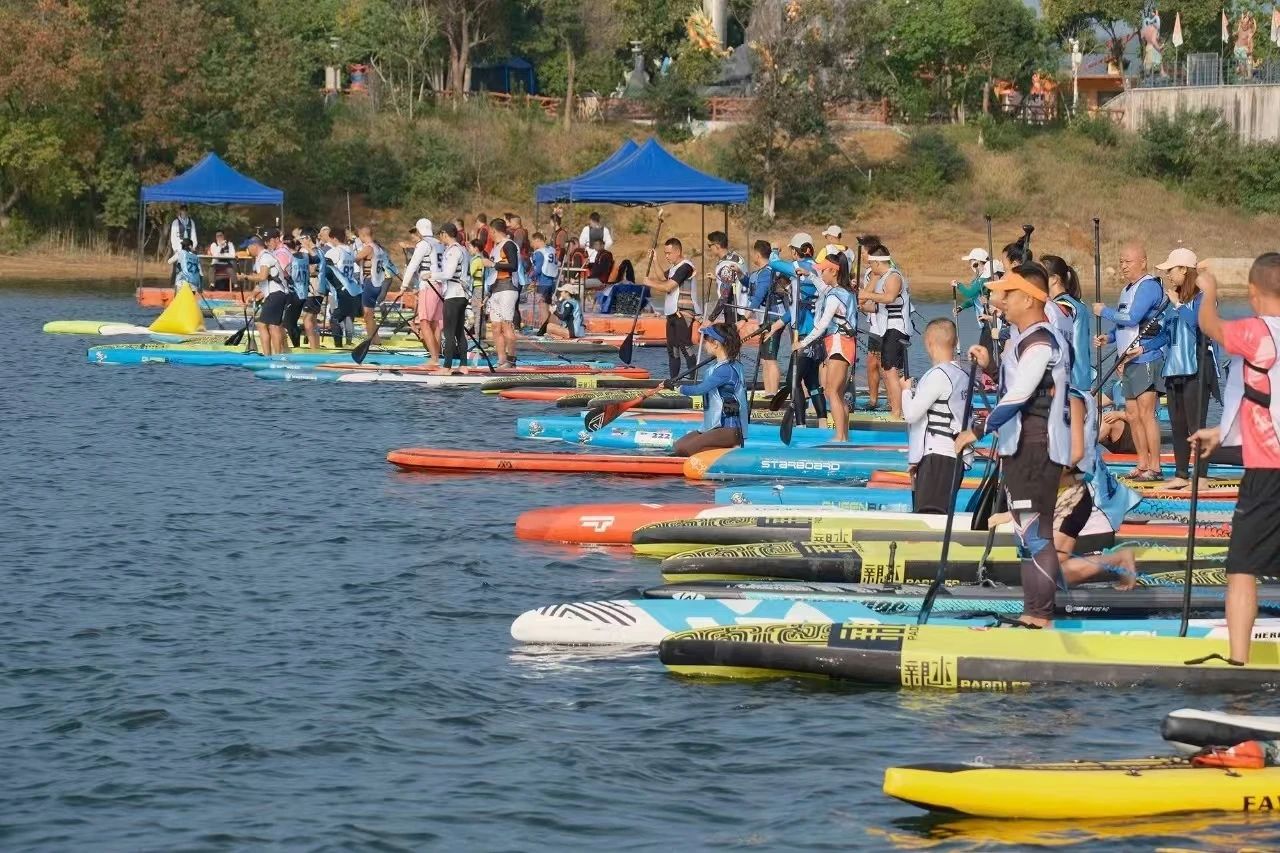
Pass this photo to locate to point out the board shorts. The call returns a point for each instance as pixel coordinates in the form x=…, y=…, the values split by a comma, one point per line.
x=546, y=288
x=679, y=332
x=842, y=347
x=875, y=344
x=430, y=308
x=1031, y=478
x=348, y=306
x=1141, y=378
x=893, y=352
x=769, y=346
x=1255, y=537
x=369, y=295
x=272, y=311
x=1072, y=511
x=312, y=304
x=502, y=306
x=932, y=482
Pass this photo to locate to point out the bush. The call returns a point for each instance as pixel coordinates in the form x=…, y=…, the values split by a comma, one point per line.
x=1000, y=135
x=673, y=102
x=433, y=176
x=930, y=163
x=1098, y=129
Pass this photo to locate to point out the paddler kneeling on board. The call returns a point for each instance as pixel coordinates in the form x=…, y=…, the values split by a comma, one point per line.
x=724, y=395
x=566, y=314
x=1033, y=434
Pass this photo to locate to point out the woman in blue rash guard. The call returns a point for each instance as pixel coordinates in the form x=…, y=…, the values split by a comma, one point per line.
x=724, y=395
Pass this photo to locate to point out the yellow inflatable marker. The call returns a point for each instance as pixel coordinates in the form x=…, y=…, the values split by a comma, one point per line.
x=183, y=315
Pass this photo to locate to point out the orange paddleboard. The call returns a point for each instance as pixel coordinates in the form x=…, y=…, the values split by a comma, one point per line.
x=597, y=524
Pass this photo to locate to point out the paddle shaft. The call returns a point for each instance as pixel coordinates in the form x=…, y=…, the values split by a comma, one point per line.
x=628, y=342
x=1120, y=356
x=940, y=578
x=1202, y=414
x=1097, y=297
x=765, y=322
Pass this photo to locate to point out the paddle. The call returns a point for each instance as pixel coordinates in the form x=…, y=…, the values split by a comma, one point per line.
x=470, y=336
x=1097, y=297
x=1203, y=365
x=361, y=350
x=941, y=577
x=1147, y=329
x=628, y=343
x=788, y=425
x=764, y=323
x=209, y=308
x=235, y=339
x=598, y=417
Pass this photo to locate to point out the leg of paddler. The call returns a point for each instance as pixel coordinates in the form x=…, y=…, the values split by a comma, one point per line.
x=1031, y=484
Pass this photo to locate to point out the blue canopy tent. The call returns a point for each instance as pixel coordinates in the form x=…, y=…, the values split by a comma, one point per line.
x=210, y=181
x=648, y=175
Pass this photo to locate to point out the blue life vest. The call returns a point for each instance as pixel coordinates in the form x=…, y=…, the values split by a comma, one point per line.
x=713, y=415
x=1080, y=342
x=1112, y=497
x=322, y=271
x=300, y=274
x=189, y=264
x=1182, y=357
x=570, y=313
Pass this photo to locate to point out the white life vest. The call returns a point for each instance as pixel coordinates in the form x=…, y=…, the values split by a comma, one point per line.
x=1058, y=411
x=1234, y=395
x=895, y=315
x=936, y=432
x=671, y=300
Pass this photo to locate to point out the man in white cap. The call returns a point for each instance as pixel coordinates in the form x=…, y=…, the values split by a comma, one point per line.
x=966, y=296
x=835, y=245
x=424, y=264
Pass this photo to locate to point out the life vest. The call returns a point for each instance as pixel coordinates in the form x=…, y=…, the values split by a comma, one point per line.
x=1073, y=325
x=268, y=263
x=671, y=301
x=936, y=432
x=570, y=313
x=1049, y=402
x=1112, y=497
x=300, y=275
x=185, y=229
x=1127, y=335
x=713, y=403
x=190, y=266
x=1182, y=357
x=456, y=284
x=893, y=315
x=1237, y=391
x=505, y=279
x=840, y=323
x=544, y=261
x=594, y=233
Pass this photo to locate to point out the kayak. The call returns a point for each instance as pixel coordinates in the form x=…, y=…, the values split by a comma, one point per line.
x=899, y=500
x=896, y=560
x=447, y=459
x=1190, y=730
x=1137, y=787
x=668, y=538
x=828, y=462
x=648, y=621
x=949, y=658
x=1154, y=594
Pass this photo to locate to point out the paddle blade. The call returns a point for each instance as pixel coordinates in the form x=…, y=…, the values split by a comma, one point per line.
x=234, y=340
x=361, y=350
x=600, y=416
x=788, y=425
x=626, y=350
x=780, y=398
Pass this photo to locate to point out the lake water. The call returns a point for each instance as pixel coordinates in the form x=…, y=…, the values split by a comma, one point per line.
x=227, y=623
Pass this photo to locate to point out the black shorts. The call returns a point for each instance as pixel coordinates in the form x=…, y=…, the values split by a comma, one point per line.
x=312, y=304
x=679, y=332
x=1255, y=536
x=769, y=346
x=1031, y=478
x=348, y=307
x=272, y=311
x=931, y=488
x=875, y=343
x=893, y=353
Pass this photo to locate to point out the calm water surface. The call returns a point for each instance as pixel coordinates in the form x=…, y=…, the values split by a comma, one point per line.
x=227, y=623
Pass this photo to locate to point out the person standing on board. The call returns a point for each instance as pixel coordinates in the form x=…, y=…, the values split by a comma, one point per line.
x=768, y=308
x=1183, y=377
x=187, y=263
x=181, y=228
x=680, y=271
x=430, y=309
x=888, y=302
x=504, y=293
x=272, y=293
x=1142, y=299
x=346, y=287
x=802, y=273
x=1251, y=419
x=934, y=412
x=224, y=261
x=451, y=279
x=835, y=328
x=1071, y=318
x=723, y=391
x=595, y=230
x=1032, y=427
x=729, y=271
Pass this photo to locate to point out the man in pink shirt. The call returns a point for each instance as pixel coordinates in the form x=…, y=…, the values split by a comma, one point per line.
x=1250, y=418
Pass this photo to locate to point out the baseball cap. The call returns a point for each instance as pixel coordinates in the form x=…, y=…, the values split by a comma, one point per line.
x=799, y=239
x=1179, y=258
x=976, y=255
x=825, y=264
x=423, y=227
x=1013, y=281
x=832, y=231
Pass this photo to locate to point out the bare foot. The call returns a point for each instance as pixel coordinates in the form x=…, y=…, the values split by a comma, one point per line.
x=1176, y=484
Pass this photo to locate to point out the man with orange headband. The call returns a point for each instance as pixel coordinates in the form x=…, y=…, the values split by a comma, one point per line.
x=1033, y=431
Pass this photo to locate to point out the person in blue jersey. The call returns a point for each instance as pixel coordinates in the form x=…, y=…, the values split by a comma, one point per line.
x=372, y=264
x=299, y=275
x=1032, y=427
x=1141, y=300
x=546, y=272
x=724, y=395
x=566, y=314
x=181, y=229
x=887, y=303
x=1184, y=384
x=343, y=283
x=836, y=328
x=934, y=411
x=313, y=305
x=187, y=263
x=1072, y=318
x=802, y=271
x=768, y=306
